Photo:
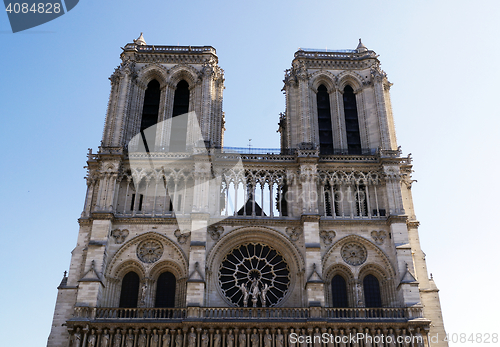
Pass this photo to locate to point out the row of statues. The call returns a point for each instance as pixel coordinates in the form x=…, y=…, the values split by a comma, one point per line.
x=255, y=292
x=231, y=340
x=142, y=339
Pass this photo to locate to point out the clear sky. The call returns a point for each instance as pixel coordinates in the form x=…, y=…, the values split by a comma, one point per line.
x=440, y=55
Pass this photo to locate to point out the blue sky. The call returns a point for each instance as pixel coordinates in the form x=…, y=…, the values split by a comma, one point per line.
x=440, y=55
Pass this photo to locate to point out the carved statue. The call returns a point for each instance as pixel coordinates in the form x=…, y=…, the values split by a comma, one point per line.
x=245, y=294
x=117, y=341
x=292, y=343
x=166, y=340
x=230, y=339
x=342, y=339
x=391, y=339
x=217, y=338
x=255, y=293
x=192, y=338
x=178, y=338
x=406, y=338
x=304, y=344
x=263, y=294
x=242, y=339
x=268, y=338
x=279, y=339
x=129, y=342
x=368, y=342
x=204, y=339
x=77, y=338
x=105, y=339
x=254, y=339
x=380, y=339
x=317, y=338
x=144, y=290
x=91, y=339
x=141, y=342
x=154, y=340
x=419, y=338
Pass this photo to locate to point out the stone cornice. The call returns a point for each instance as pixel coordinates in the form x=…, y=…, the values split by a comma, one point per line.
x=349, y=222
x=397, y=219
x=310, y=218
x=255, y=222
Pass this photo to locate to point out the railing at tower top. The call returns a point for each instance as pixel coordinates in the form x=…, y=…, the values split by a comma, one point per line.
x=248, y=313
x=169, y=49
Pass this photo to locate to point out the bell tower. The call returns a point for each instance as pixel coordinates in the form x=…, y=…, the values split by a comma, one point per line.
x=339, y=121
x=338, y=103
x=158, y=83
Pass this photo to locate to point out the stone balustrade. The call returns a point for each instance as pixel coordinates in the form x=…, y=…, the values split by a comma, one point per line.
x=243, y=314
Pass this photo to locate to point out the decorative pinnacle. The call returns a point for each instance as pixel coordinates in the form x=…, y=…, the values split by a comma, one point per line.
x=140, y=41
x=361, y=47
x=65, y=272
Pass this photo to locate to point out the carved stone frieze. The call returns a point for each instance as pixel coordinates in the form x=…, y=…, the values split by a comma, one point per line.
x=294, y=233
x=215, y=231
x=327, y=236
x=120, y=235
x=182, y=237
x=379, y=236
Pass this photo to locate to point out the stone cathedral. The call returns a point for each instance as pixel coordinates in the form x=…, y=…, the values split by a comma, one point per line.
x=184, y=242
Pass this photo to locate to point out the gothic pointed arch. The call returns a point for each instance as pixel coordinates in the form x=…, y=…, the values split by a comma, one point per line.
x=353, y=134
x=166, y=285
x=171, y=252
x=351, y=78
x=325, y=78
x=338, y=291
x=374, y=255
x=325, y=130
x=183, y=72
x=371, y=290
x=129, y=293
x=152, y=71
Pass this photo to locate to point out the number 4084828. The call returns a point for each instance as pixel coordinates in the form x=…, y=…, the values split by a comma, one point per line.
x=472, y=338
x=34, y=8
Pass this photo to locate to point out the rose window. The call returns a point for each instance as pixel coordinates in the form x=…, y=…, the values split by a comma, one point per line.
x=254, y=275
x=353, y=253
x=149, y=251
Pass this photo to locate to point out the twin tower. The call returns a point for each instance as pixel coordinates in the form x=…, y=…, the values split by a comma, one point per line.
x=189, y=243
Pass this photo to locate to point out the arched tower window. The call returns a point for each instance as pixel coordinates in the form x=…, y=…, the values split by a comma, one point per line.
x=339, y=292
x=150, y=113
x=351, y=121
x=372, y=291
x=324, y=121
x=130, y=290
x=179, y=124
x=165, y=290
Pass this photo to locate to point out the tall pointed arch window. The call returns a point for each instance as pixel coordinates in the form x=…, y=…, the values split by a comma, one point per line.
x=339, y=292
x=324, y=121
x=179, y=124
x=165, y=290
x=150, y=115
x=371, y=288
x=351, y=121
x=130, y=290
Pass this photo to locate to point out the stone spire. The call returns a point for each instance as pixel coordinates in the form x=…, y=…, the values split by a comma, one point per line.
x=140, y=41
x=361, y=47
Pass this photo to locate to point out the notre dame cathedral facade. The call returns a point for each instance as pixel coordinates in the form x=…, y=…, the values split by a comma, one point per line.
x=186, y=243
